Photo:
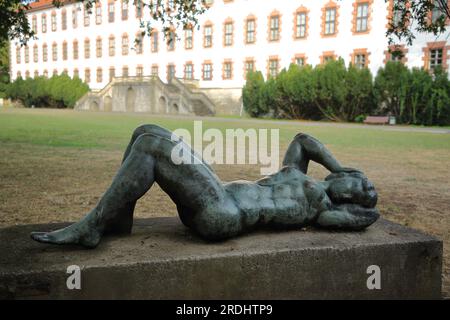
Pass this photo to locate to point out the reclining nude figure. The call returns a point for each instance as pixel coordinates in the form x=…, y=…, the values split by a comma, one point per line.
x=217, y=211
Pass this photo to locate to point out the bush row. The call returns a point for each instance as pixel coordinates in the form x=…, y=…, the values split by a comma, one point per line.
x=335, y=92
x=59, y=91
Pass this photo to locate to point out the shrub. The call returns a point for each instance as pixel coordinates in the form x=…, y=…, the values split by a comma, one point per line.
x=60, y=91
x=251, y=94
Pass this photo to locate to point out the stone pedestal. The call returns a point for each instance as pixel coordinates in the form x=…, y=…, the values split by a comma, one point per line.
x=164, y=260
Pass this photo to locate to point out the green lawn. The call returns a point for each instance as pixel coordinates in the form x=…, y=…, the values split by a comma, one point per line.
x=66, y=128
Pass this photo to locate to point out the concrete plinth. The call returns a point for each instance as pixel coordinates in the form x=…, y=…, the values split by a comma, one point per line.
x=164, y=260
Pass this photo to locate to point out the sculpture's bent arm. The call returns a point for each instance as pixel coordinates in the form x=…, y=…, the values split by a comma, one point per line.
x=305, y=148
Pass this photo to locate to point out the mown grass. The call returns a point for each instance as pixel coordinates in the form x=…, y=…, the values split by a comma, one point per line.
x=66, y=128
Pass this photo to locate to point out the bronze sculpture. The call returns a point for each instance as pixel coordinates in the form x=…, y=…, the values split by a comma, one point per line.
x=216, y=210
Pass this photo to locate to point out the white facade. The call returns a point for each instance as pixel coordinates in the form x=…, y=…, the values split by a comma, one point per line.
x=344, y=43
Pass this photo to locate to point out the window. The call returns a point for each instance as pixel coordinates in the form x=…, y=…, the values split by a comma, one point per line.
x=139, y=71
x=76, y=73
x=273, y=67
x=45, y=73
x=139, y=43
x=189, y=71
x=54, y=72
x=44, y=23
x=227, y=70
x=437, y=12
x=125, y=45
x=112, y=46
x=125, y=72
x=274, y=25
x=124, y=9
x=111, y=13
x=98, y=13
x=228, y=33
x=27, y=54
x=36, y=73
x=249, y=65
x=87, y=17
x=188, y=38
x=139, y=8
x=54, y=52
x=362, y=17
x=250, y=30
x=75, y=50
x=171, y=40
x=19, y=74
x=112, y=73
x=87, y=75
x=208, y=33
x=34, y=24
x=44, y=52
x=170, y=71
x=35, y=53
x=154, y=40
x=330, y=21
x=396, y=53
x=207, y=71
x=64, y=50
x=64, y=19
x=435, y=58
x=436, y=55
x=209, y=2
x=87, y=49
x=99, y=75
x=328, y=56
x=299, y=60
x=360, y=58
x=53, y=21
x=300, y=25
x=155, y=70
x=27, y=74
x=98, y=48
x=74, y=18
x=18, y=59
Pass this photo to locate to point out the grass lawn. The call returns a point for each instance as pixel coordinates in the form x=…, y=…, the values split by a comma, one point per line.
x=55, y=164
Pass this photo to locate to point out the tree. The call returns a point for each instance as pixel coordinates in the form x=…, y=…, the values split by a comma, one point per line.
x=169, y=14
x=417, y=16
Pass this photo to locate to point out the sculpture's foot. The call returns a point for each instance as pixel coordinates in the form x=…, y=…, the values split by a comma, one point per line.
x=77, y=233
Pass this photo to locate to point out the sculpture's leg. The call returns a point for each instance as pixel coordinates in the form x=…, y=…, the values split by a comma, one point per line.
x=123, y=225
x=193, y=186
x=347, y=217
x=305, y=148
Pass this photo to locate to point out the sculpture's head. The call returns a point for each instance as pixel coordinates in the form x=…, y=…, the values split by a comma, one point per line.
x=351, y=186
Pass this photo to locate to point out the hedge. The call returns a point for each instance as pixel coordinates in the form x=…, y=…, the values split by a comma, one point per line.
x=335, y=92
x=59, y=91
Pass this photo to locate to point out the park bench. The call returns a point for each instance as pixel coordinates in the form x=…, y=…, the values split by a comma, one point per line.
x=376, y=120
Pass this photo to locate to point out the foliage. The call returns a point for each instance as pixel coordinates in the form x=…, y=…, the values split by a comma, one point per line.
x=413, y=96
x=412, y=17
x=60, y=91
x=335, y=92
x=168, y=14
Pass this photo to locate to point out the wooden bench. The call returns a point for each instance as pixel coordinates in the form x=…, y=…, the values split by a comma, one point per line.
x=376, y=120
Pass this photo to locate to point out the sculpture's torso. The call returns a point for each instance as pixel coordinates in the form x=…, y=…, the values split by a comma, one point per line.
x=288, y=194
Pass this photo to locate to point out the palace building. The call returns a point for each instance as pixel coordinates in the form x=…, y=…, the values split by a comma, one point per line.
x=234, y=36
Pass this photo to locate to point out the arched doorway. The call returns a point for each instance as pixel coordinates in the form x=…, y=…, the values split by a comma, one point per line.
x=162, y=105
x=93, y=106
x=107, y=104
x=174, y=109
x=130, y=100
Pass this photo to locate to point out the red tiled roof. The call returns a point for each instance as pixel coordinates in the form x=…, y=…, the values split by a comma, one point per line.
x=45, y=4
